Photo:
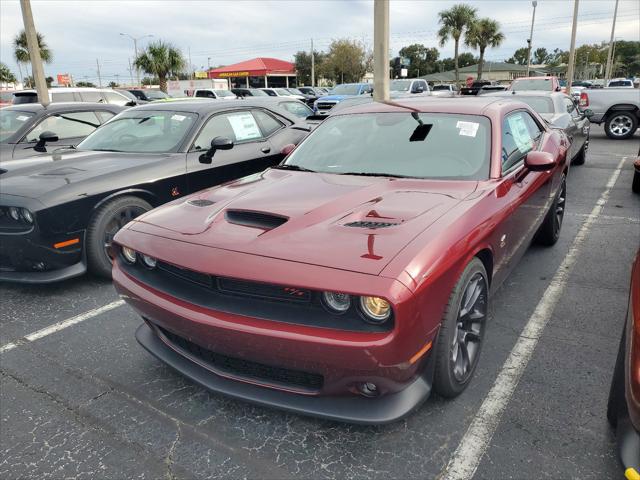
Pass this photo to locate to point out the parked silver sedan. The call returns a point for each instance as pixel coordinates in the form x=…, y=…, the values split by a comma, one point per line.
x=560, y=111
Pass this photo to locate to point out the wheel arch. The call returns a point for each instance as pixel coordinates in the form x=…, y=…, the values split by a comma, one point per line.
x=485, y=255
x=622, y=107
x=145, y=195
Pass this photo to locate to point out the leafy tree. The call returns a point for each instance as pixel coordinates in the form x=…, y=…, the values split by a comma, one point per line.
x=345, y=62
x=455, y=22
x=155, y=80
x=21, y=49
x=519, y=57
x=541, y=56
x=627, y=56
x=481, y=34
x=160, y=59
x=85, y=84
x=6, y=75
x=302, y=60
x=113, y=85
x=423, y=60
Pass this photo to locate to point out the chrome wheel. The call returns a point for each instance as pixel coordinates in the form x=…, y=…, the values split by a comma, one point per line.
x=472, y=314
x=116, y=222
x=560, y=206
x=621, y=125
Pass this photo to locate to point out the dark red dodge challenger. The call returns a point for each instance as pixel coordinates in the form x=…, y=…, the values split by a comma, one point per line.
x=353, y=278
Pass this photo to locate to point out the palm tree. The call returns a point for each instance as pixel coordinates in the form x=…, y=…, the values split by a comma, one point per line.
x=160, y=59
x=6, y=75
x=21, y=50
x=455, y=22
x=481, y=34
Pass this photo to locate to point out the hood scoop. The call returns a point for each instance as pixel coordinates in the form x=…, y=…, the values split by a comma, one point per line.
x=61, y=172
x=248, y=218
x=370, y=225
x=200, y=202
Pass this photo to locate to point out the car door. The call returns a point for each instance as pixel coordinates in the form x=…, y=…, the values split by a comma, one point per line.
x=527, y=193
x=252, y=150
x=70, y=127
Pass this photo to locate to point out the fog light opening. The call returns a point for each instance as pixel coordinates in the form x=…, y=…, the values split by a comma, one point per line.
x=369, y=389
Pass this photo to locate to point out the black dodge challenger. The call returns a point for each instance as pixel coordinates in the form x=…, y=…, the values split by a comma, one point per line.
x=59, y=212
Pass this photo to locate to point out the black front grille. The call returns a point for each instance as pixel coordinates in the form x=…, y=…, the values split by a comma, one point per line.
x=263, y=290
x=325, y=106
x=190, y=275
x=249, y=370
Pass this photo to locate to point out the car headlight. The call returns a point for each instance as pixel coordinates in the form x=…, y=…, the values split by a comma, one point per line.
x=336, y=302
x=149, y=261
x=26, y=215
x=129, y=254
x=375, y=309
x=14, y=213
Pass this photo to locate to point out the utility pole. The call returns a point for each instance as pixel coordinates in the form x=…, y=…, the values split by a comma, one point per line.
x=34, y=53
x=190, y=65
x=607, y=73
x=135, y=49
x=381, y=50
x=99, y=77
x=131, y=71
x=313, y=66
x=209, y=70
x=530, y=40
x=572, y=49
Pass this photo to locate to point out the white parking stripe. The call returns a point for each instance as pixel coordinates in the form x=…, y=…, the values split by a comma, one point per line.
x=466, y=458
x=56, y=327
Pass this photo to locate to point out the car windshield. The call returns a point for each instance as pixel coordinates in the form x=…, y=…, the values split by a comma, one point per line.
x=347, y=89
x=142, y=131
x=258, y=93
x=155, y=94
x=400, y=85
x=299, y=109
x=295, y=91
x=539, y=104
x=11, y=121
x=440, y=87
x=425, y=145
x=224, y=93
x=532, y=84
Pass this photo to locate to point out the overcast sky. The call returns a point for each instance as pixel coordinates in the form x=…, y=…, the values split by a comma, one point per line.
x=79, y=32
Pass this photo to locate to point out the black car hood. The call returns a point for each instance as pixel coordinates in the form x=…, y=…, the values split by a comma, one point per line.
x=66, y=169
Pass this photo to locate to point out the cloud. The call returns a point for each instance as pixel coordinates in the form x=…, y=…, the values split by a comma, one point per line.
x=224, y=32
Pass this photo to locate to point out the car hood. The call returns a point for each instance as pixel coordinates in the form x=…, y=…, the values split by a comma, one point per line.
x=319, y=219
x=36, y=177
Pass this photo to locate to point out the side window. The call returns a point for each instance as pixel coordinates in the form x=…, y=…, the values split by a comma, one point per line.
x=66, y=125
x=204, y=93
x=116, y=99
x=103, y=115
x=268, y=124
x=62, y=97
x=517, y=140
x=534, y=129
x=238, y=126
x=91, y=97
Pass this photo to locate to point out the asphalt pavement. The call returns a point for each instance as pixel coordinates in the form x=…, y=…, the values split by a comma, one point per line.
x=86, y=401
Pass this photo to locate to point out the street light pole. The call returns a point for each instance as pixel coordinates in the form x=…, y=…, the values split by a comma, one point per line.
x=533, y=19
x=607, y=72
x=572, y=49
x=381, y=50
x=135, y=49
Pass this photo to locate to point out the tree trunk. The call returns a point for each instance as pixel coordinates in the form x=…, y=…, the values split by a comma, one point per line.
x=162, y=80
x=455, y=58
x=481, y=63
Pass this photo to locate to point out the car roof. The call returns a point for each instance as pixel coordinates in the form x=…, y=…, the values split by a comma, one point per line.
x=527, y=93
x=61, y=106
x=203, y=105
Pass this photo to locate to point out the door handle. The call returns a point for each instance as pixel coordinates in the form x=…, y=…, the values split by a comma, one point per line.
x=265, y=149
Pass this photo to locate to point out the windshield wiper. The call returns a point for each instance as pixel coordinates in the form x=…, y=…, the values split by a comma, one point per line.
x=297, y=168
x=376, y=174
x=106, y=150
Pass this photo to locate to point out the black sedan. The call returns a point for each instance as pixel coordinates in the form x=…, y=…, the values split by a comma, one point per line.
x=560, y=111
x=57, y=217
x=31, y=129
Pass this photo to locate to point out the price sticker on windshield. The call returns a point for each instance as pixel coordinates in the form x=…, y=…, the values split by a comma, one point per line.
x=22, y=118
x=177, y=117
x=467, y=129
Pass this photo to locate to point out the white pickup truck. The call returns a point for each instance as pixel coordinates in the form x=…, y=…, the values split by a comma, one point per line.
x=617, y=108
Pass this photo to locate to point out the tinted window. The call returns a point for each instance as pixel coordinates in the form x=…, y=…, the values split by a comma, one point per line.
x=63, y=97
x=517, y=139
x=205, y=94
x=267, y=123
x=27, y=97
x=66, y=125
x=539, y=104
x=91, y=97
x=142, y=131
x=297, y=108
x=431, y=146
x=441, y=87
x=271, y=93
x=138, y=94
x=11, y=121
x=620, y=83
x=238, y=126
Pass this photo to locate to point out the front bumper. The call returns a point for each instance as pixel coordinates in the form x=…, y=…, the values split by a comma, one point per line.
x=353, y=409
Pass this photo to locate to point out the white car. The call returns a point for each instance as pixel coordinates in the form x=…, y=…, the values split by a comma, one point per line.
x=214, y=93
x=74, y=94
x=281, y=92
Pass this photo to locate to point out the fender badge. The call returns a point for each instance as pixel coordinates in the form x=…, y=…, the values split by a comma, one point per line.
x=175, y=192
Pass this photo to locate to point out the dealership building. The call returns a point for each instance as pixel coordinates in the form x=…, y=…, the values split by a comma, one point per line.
x=257, y=73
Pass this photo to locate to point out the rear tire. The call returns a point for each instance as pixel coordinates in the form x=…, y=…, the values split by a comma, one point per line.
x=462, y=331
x=104, y=224
x=621, y=125
x=549, y=231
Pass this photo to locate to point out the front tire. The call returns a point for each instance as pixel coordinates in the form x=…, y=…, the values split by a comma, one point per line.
x=621, y=125
x=104, y=224
x=549, y=231
x=462, y=331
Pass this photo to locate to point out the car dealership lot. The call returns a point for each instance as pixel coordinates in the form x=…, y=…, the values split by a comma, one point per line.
x=88, y=402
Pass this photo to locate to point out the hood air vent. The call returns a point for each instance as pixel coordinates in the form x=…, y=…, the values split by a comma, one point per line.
x=266, y=221
x=370, y=224
x=200, y=202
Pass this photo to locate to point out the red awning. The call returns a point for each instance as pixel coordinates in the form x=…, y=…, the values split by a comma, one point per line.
x=256, y=67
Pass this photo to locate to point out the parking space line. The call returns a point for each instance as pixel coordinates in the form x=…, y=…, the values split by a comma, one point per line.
x=56, y=327
x=466, y=458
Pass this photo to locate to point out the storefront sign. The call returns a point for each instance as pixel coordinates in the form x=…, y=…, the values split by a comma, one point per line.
x=64, y=79
x=232, y=74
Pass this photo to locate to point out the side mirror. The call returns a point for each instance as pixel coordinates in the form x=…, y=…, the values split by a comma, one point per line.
x=539, y=161
x=218, y=143
x=131, y=103
x=287, y=149
x=43, y=139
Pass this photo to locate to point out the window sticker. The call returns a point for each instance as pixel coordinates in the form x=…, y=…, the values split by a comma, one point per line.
x=177, y=117
x=467, y=129
x=22, y=118
x=520, y=133
x=244, y=126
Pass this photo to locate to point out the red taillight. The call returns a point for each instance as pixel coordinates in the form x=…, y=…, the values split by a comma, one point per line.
x=584, y=99
x=633, y=372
